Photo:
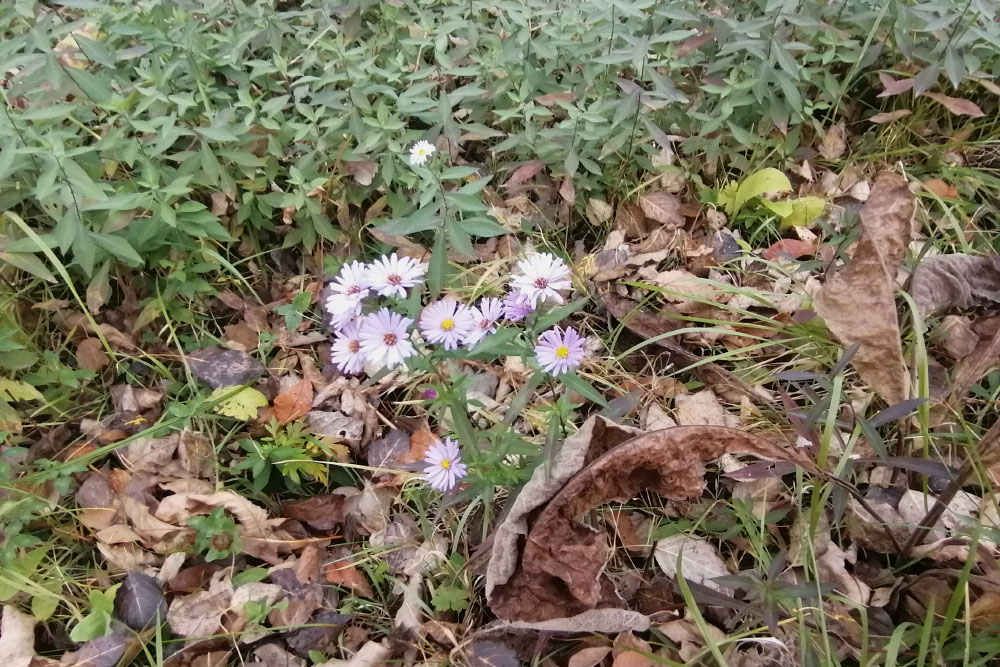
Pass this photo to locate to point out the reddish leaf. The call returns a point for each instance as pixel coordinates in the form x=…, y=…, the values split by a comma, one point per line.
x=694, y=43
x=420, y=442
x=342, y=573
x=791, y=247
x=889, y=116
x=294, y=403
x=941, y=188
x=957, y=105
x=550, y=99
x=894, y=86
x=524, y=172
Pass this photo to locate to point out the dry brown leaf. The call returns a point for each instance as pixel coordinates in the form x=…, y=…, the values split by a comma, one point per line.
x=700, y=560
x=371, y=654
x=17, y=637
x=323, y=512
x=957, y=105
x=957, y=337
x=363, y=171
x=791, y=247
x=956, y=281
x=198, y=614
x=941, y=188
x=589, y=657
x=560, y=572
x=983, y=358
x=894, y=86
x=90, y=355
x=630, y=220
x=889, y=116
x=294, y=403
x=524, y=172
x=663, y=208
x=550, y=99
x=834, y=142
x=629, y=651
x=703, y=409
x=343, y=573
x=685, y=633
x=858, y=302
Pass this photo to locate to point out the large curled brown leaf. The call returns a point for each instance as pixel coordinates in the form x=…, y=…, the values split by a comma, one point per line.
x=956, y=281
x=858, y=301
x=561, y=567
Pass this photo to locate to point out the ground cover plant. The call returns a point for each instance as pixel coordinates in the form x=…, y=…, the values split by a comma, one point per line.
x=533, y=332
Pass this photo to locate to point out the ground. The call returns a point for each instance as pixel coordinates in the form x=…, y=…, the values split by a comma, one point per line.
x=727, y=396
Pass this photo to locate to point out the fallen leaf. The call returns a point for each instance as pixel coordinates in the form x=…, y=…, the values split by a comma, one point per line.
x=335, y=425
x=793, y=248
x=218, y=367
x=560, y=572
x=316, y=635
x=90, y=355
x=663, y=208
x=598, y=211
x=957, y=105
x=273, y=655
x=243, y=404
x=198, y=614
x=524, y=172
x=858, y=301
x=894, y=86
x=17, y=637
x=834, y=142
x=550, y=99
x=343, y=573
x=685, y=633
x=363, y=171
x=489, y=653
x=956, y=281
x=630, y=651
x=889, y=116
x=940, y=188
x=703, y=409
x=957, y=337
x=700, y=560
x=808, y=545
x=369, y=655
x=294, y=403
x=139, y=601
x=589, y=657
x=322, y=512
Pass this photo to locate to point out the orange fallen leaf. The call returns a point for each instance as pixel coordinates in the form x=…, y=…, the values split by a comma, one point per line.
x=90, y=355
x=294, y=403
x=420, y=442
x=792, y=247
x=342, y=573
x=941, y=188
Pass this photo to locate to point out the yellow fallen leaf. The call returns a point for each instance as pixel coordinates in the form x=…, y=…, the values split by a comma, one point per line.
x=242, y=405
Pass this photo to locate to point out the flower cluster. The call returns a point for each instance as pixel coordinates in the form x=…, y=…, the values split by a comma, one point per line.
x=383, y=337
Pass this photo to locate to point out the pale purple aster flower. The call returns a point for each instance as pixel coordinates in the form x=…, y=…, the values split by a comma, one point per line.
x=444, y=465
x=385, y=340
x=392, y=275
x=516, y=306
x=347, y=291
x=447, y=322
x=559, y=352
x=346, y=351
x=542, y=277
x=485, y=316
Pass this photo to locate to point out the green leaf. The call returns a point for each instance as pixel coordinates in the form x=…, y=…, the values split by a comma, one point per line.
x=457, y=173
x=30, y=263
x=11, y=390
x=460, y=240
x=242, y=405
x=558, y=314
x=118, y=247
x=420, y=221
x=480, y=226
x=43, y=606
x=804, y=211
x=91, y=627
x=437, y=269
x=450, y=598
x=733, y=196
x=582, y=387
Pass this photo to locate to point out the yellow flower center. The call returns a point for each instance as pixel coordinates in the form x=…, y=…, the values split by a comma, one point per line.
x=421, y=151
x=562, y=351
x=445, y=464
x=448, y=325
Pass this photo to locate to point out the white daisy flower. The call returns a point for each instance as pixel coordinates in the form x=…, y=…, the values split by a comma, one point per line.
x=542, y=277
x=444, y=465
x=347, y=290
x=392, y=275
x=447, y=322
x=486, y=315
x=421, y=152
x=346, y=351
x=384, y=338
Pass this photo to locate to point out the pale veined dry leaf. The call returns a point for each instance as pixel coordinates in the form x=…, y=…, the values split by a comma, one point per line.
x=834, y=142
x=889, y=116
x=700, y=561
x=663, y=208
x=957, y=105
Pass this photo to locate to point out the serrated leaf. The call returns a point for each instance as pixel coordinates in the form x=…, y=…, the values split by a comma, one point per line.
x=450, y=598
x=242, y=405
x=12, y=390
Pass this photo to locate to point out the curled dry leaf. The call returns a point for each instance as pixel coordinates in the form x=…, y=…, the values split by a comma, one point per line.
x=858, y=301
x=560, y=572
x=956, y=281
